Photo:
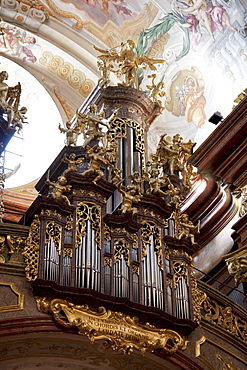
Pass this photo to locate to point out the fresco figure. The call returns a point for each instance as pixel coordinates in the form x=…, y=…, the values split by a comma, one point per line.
x=200, y=15
x=17, y=43
x=185, y=96
x=194, y=102
x=100, y=11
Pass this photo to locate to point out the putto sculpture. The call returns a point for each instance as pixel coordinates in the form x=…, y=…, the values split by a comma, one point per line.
x=56, y=189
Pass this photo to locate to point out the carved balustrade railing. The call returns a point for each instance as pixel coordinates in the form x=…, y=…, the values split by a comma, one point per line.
x=220, y=313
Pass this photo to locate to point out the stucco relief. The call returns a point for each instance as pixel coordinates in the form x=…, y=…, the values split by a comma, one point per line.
x=65, y=71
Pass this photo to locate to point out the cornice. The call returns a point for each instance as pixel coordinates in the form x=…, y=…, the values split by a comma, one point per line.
x=222, y=154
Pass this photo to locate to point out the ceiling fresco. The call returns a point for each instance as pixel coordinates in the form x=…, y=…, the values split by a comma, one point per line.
x=203, y=43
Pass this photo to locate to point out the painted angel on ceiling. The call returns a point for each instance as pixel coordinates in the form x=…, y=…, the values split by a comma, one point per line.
x=16, y=42
x=199, y=15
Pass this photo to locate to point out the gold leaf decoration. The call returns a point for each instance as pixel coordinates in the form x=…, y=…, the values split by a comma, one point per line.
x=120, y=331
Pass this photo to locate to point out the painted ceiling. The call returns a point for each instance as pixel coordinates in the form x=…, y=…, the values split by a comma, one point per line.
x=202, y=41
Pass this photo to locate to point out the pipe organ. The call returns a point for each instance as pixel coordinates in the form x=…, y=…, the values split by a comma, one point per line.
x=102, y=240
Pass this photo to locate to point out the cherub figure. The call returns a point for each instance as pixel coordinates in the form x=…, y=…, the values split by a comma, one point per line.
x=115, y=176
x=105, y=69
x=18, y=119
x=72, y=133
x=130, y=196
x=156, y=183
x=93, y=123
x=153, y=163
x=72, y=163
x=59, y=187
x=136, y=179
x=175, y=194
x=156, y=91
x=97, y=160
x=187, y=228
x=185, y=152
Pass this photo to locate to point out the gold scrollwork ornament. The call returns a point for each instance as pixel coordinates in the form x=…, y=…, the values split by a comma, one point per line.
x=120, y=331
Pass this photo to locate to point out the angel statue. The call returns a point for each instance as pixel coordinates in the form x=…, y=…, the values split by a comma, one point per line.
x=72, y=133
x=92, y=123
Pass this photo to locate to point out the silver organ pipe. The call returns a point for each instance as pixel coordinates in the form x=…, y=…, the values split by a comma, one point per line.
x=88, y=255
x=129, y=164
x=182, y=304
x=144, y=281
x=51, y=261
x=67, y=270
x=181, y=289
x=121, y=278
x=107, y=279
x=171, y=228
x=93, y=280
x=95, y=265
x=149, y=288
x=169, y=299
x=152, y=273
x=135, y=287
x=153, y=269
x=137, y=161
x=88, y=259
x=87, y=251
